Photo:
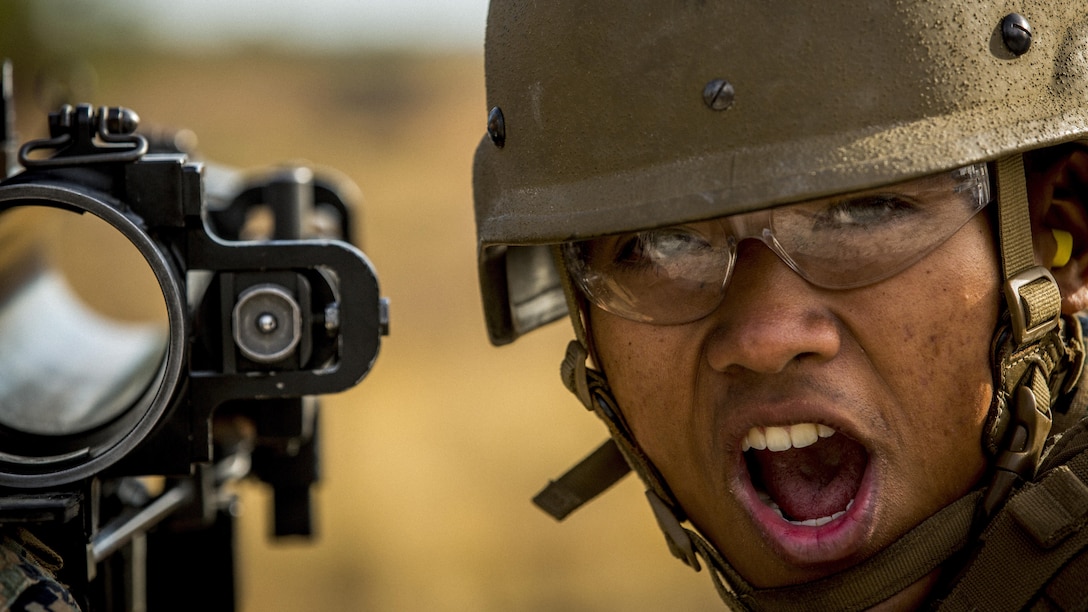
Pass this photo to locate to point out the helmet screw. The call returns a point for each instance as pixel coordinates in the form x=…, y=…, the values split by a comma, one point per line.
x=496, y=127
x=718, y=94
x=1016, y=33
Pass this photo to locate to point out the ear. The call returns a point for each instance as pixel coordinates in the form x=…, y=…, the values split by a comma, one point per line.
x=1058, y=192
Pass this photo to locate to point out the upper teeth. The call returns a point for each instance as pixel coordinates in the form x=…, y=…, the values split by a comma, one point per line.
x=798, y=435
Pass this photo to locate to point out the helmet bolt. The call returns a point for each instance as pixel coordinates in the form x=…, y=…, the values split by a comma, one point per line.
x=1016, y=33
x=718, y=94
x=496, y=127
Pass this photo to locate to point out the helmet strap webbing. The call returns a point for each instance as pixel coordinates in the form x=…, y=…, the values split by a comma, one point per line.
x=1035, y=359
x=1037, y=356
x=606, y=465
x=907, y=560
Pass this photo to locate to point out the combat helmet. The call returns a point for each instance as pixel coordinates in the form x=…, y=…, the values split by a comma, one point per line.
x=610, y=116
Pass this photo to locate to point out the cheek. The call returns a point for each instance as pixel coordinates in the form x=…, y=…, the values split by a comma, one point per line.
x=947, y=341
x=939, y=316
x=935, y=359
x=650, y=378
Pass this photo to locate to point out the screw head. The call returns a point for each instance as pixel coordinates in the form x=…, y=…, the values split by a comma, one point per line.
x=267, y=323
x=718, y=94
x=496, y=127
x=1016, y=33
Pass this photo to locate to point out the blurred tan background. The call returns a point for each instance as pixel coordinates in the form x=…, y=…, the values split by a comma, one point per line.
x=429, y=464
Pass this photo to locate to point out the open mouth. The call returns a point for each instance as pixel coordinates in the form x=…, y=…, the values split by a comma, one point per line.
x=808, y=473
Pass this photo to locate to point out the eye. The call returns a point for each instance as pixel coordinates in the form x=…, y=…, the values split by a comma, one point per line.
x=863, y=213
x=657, y=247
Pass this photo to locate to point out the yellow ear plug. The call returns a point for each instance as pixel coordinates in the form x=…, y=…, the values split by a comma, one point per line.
x=1064, y=250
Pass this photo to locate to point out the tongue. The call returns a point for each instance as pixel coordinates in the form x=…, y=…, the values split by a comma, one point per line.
x=815, y=481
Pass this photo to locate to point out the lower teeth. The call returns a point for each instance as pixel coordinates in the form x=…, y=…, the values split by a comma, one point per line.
x=815, y=522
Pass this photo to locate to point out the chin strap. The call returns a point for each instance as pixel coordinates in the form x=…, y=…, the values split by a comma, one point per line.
x=909, y=559
x=611, y=461
x=1037, y=354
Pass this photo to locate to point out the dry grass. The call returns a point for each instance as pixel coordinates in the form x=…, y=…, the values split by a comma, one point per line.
x=429, y=464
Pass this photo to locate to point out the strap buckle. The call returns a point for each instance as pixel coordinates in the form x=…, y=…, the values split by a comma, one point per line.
x=1034, y=304
x=1022, y=447
x=680, y=544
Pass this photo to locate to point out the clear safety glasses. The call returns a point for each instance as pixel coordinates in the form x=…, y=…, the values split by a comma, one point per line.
x=678, y=274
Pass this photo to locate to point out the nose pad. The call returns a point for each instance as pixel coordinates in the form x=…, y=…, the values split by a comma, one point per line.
x=755, y=228
x=742, y=230
x=751, y=254
x=752, y=227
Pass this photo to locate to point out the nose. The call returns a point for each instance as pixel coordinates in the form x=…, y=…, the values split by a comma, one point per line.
x=770, y=317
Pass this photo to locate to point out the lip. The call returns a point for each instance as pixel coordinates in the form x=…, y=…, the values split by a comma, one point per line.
x=803, y=545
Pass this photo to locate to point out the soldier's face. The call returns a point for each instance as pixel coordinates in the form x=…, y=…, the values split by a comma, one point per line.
x=871, y=401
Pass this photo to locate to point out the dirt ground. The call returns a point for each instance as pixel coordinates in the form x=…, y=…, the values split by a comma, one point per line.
x=429, y=464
